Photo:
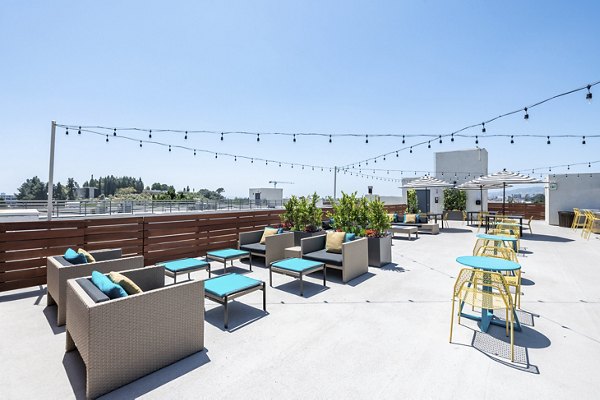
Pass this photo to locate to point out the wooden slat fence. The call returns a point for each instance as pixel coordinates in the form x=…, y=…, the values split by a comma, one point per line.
x=24, y=246
x=538, y=211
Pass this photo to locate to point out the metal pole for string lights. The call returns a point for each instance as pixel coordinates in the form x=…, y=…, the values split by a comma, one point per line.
x=334, y=183
x=51, y=170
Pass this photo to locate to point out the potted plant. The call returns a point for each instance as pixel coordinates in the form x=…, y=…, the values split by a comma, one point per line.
x=303, y=217
x=379, y=240
x=455, y=203
x=368, y=219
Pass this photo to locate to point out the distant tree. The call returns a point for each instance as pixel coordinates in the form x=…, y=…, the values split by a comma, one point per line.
x=71, y=186
x=33, y=189
x=539, y=198
x=220, y=190
x=60, y=192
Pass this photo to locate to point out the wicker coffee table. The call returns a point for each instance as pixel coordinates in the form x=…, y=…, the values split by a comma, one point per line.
x=229, y=286
x=297, y=268
x=228, y=255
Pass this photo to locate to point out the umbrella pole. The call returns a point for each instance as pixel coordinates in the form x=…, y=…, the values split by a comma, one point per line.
x=503, y=196
x=481, y=196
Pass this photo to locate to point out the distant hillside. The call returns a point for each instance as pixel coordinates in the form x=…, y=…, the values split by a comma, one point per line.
x=522, y=190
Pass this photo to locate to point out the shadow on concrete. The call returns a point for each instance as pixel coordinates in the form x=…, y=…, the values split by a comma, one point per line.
x=455, y=230
x=50, y=313
x=527, y=282
x=405, y=238
x=230, y=270
x=38, y=293
x=76, y=373
x=240, y=315
x=311, y=288
x=546, y=238
x=393, y=267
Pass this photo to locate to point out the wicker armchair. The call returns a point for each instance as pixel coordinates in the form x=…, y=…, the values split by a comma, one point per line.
x=124, y=339
x=353, y=262
x=58, y=270
x=272, y=250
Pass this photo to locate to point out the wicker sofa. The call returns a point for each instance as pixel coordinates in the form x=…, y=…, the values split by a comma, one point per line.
x=272, y=250
x=124, y=339
x=59, y=270
x=353, y=262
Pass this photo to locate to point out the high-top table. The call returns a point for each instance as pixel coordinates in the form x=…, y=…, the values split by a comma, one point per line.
x=491, y=264
x=519, y=217
x=499, y=238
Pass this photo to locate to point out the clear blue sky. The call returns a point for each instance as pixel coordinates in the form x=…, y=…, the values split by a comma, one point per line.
x=321, y=66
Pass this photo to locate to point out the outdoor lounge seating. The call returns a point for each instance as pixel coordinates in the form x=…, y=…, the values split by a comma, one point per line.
x=273, y=248
x=430, y=227
x=126, y=338
x=353, y=260
x=60, y=270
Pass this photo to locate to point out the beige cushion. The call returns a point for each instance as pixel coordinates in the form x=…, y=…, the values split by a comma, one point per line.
x=333, y=243
x=90, y=258
x=266, y=233
x=123, y=281
x=410, y=218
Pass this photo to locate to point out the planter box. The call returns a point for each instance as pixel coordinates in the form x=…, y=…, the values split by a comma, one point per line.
x=299, y=235
x=454, y=215
x=380, y=251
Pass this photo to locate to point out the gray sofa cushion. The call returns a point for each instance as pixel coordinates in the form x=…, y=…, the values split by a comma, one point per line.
x=95, y=294
x=254, y=248
x=324, y=257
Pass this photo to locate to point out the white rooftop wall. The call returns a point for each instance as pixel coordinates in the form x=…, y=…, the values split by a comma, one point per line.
x=567, y=191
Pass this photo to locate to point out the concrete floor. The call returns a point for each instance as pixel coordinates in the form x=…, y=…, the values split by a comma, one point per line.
x=383, y=335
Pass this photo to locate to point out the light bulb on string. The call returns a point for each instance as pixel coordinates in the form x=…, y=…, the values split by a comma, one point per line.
x=234, y=158
x=396, y=154
x=548, y=141
x=366, y=138
x=115, y=132
x=150, y=134
x=403, y=141
x=440, y=139
x=258, y=137
x=429, y=144
x=216, y=156
x=252, y=161
x=526, y=116
x=410, y=149
x=169, y=148
x=294, y=138
x=140, y=143
x=476, y=139
x=583, y=140
x=222, y=137
x=79, y=131
x=194, y=152
x=185, y=137
x=106, y=138
x=483, y=127
x=512, y=141
x=452, y=137
x=329, y=138
x=67, y=131
x=588, y=96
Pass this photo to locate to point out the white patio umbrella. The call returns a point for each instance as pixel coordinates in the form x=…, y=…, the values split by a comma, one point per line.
x=426, y=182
x=505, y=178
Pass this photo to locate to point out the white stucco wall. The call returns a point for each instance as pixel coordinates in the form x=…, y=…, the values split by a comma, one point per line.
x=269, y=194
x=565, y=192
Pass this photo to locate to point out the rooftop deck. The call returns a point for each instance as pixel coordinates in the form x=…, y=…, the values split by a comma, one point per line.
x=383, y=335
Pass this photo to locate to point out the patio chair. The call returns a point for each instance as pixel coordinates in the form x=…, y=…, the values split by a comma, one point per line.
x=578, y=219
x=59, y=270
x=273, y=248
x=487, y=291
x=589, y=225
x=353, y=261
x=505, y=253
x=126, y=338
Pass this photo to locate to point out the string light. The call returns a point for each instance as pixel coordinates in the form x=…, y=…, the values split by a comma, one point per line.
x=216, y=155
x=106, y=138
x=583, y=140
x=115, y=132
x=222, y=137
x=258, y=137
x=185, y=137
x=548, y=137
x=79, y=131
x=483, y=127
x=526, y=116
x=440, y=139
x=294, y=138
x=477, y=139
x=169, y=148
x=403, y=141
x=140, y=143
x=452, y=138
x=512, y=141
x=150, y=134
x=410, y=149
x=588, y=96
x=366, y=138
x=429, y=144
x=67, y=131
x=329, y=138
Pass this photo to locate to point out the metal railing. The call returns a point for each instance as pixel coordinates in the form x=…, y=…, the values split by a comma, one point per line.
x=86, y=208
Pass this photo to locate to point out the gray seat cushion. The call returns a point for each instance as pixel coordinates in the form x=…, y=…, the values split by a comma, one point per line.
x=92, y=290
x=324, y=257
x=254, y=248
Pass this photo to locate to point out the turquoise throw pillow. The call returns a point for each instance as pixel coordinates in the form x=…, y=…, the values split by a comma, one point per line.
x=280, y=230
x=418, y=218
x=349, y=237
x=106, y=286
x=74, y=257
x=395, y=217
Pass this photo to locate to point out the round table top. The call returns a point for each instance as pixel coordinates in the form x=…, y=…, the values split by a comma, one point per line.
x=496, y=237
x=488, y=263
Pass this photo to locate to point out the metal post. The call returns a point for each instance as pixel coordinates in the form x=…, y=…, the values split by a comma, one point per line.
x=334, y=183
x=51, y=170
